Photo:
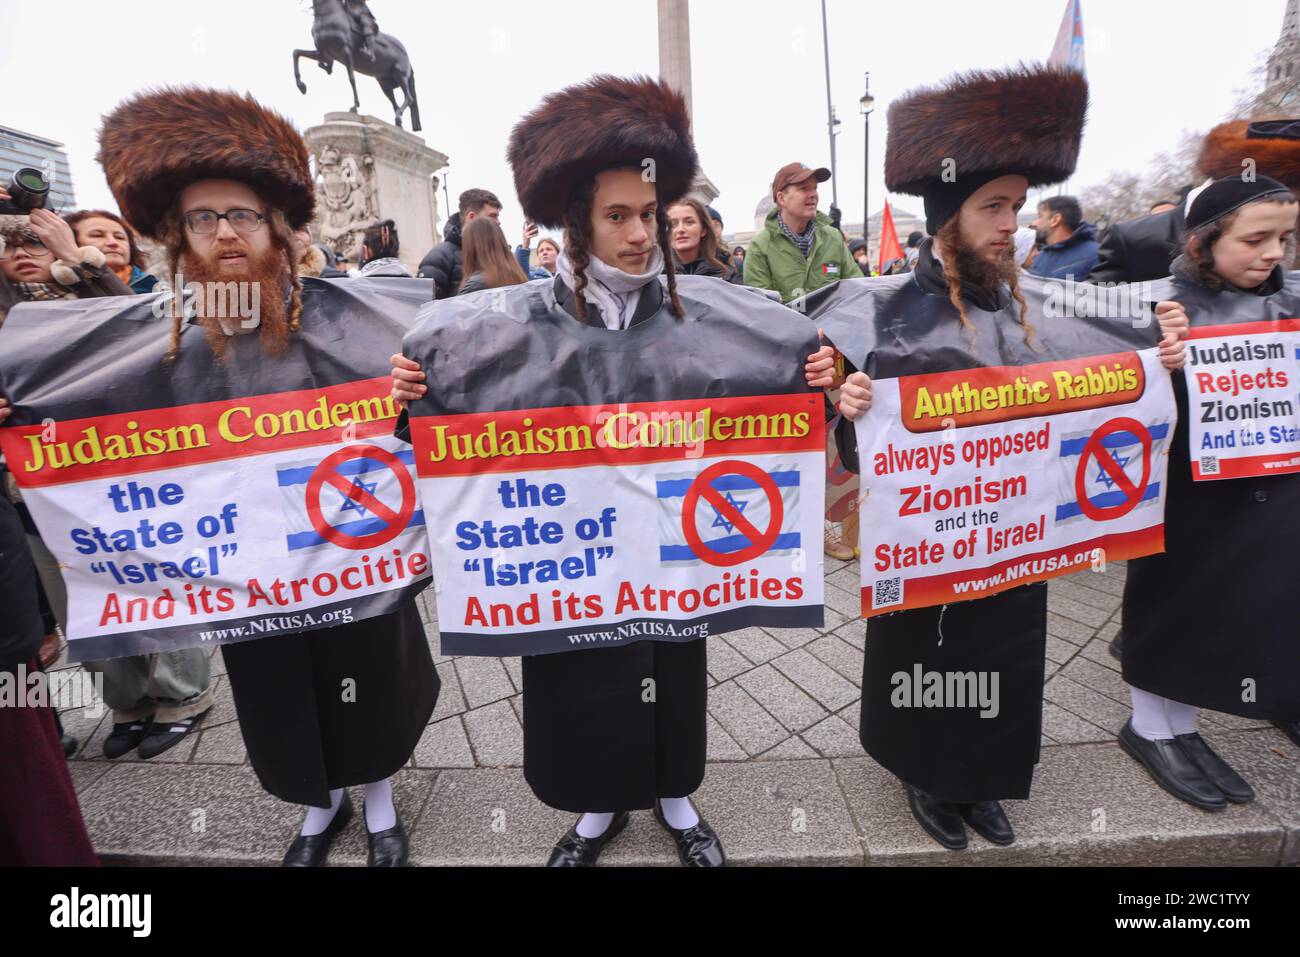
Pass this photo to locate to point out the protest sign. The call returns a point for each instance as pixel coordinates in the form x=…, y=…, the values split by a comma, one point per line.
x=189, y=505
x=1243, y=381
x=982, y=480
x=587, y=488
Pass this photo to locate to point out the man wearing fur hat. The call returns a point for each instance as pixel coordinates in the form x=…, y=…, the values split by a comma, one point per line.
x=616, y=729
x=1142, y=250
x=223, y=183
x=972, y=149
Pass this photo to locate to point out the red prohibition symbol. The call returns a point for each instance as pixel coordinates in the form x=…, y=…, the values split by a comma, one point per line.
x=327, y=474
x=759, y=542
x=1095, y=448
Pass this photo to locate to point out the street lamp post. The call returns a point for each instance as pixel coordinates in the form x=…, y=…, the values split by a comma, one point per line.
x=831, y=122
x=867, y=103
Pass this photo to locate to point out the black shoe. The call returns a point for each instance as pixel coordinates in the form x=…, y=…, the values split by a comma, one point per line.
x=69, y=744
x=312, y=851
x=697, y=845
x=940, y=819
x=989, y=821
x=1117, y=647
x=574, y=850
x=1173, y=769
x=1232, y=784
x=126, y=737
x=164, y=737
x=388, y=848
x=1291, y=729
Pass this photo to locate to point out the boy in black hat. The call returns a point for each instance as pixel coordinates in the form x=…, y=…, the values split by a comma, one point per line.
x=613, y=729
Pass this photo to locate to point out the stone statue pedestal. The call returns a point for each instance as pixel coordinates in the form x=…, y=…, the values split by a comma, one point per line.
x=368, y=170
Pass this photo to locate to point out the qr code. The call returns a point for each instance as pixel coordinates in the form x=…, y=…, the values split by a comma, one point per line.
x=887, y=592
x=1209, y=465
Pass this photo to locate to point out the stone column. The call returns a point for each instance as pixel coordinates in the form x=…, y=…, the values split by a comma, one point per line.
x=675, y=46
x=369, y=170
x=675, y=68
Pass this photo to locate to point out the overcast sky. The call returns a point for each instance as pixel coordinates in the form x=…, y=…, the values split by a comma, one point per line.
x=1157, y=67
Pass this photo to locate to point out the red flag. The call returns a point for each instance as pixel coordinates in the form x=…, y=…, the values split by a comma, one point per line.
x=890, y=248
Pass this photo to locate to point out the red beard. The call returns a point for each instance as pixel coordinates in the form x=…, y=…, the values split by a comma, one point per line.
x=267, y=272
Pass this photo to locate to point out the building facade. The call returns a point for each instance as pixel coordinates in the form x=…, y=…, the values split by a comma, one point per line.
x=19, y=149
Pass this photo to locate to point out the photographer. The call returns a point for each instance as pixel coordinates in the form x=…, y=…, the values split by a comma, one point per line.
x=41, y=260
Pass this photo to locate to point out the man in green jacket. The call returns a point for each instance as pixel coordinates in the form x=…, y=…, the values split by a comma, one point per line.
x=798, y=250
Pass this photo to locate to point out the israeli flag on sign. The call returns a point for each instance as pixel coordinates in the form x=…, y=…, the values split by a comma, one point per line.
x=728, y=513
x=358, y=498
x=1111, y=471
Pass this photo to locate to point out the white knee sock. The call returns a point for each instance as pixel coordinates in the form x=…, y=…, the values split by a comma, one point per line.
x=380, y=812
x=594, y=824
x=318, y=818
x=1182, y=717
x=679, y=813
x=1150, y=719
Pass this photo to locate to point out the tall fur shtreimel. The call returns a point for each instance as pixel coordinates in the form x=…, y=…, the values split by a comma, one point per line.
x=156, y=143
x=604, y=123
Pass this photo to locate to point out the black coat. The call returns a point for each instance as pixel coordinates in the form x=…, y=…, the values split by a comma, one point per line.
x=442, y=264
x=955, y=753
x=702, y=267
x=905, y=325
x=1142, y=250
x=1218, y=607
x=304, y=736
x=591, y=741
x=473, y=283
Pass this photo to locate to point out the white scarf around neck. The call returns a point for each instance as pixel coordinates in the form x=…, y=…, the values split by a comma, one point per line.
x=611, y=290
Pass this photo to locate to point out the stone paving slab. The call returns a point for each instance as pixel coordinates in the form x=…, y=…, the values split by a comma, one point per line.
x=1091, y=805
x=783, y=751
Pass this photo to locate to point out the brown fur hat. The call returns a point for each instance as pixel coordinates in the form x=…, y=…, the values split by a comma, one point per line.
x=1026, y=120
x=604, y=123
x=157, y=143
x=1226, y=147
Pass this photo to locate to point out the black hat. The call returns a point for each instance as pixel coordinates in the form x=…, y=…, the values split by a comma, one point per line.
x=605, y=123
x=856, y=244
x=945, y=143
x=1224, y=196
x=158, y=142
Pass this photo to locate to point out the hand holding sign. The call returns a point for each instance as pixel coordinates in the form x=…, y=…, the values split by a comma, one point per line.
x=1174, y=328
x=819, y=370
x=406, y=380
x=855, y=397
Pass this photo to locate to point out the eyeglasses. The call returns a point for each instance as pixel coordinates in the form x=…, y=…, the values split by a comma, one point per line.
x=33, y=247
x=203, y=221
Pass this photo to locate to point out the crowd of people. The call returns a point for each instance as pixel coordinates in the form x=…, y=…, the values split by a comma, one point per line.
x=624, y=250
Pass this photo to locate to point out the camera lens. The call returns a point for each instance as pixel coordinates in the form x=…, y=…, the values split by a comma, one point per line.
x=30, y=179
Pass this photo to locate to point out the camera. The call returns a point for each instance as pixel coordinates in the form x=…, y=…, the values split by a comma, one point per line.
x=28, y=190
